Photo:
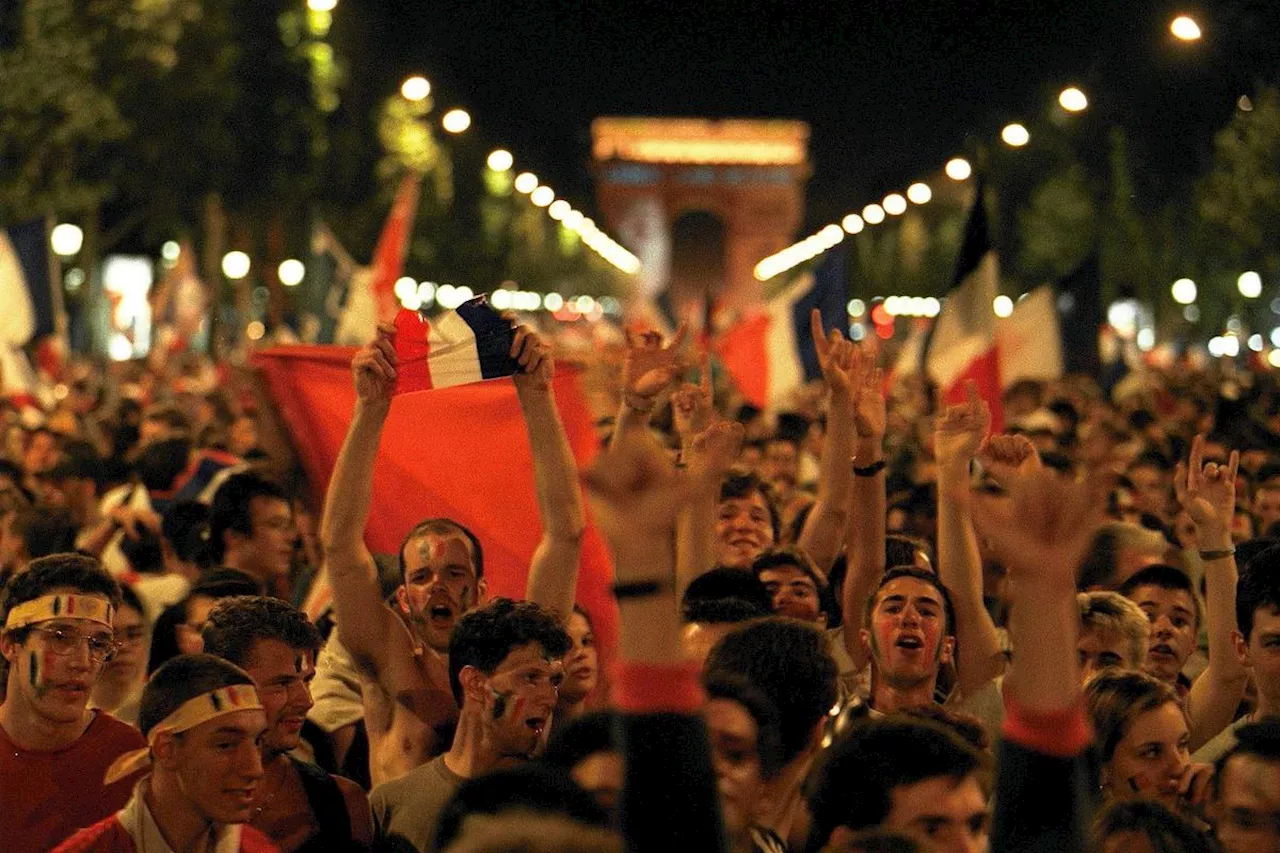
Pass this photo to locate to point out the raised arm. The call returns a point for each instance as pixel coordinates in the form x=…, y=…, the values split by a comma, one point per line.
x=957, y=436
x=864, y=533
x=366, y=625
x=707, y=458
x=1208, y=494
x=648, y=369
x=553, y=572
x=823, y=532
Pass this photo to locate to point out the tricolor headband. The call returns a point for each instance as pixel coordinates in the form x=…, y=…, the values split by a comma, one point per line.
x=193, y=712
x=64, y=606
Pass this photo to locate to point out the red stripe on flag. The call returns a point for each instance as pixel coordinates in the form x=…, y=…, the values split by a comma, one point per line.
x=742, y=352
x=413, y=348
x=388, y=255
x=984, y=372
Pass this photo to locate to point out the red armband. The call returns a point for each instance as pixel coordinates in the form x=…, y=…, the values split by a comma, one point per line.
x=1062, y=733
x=651, y=688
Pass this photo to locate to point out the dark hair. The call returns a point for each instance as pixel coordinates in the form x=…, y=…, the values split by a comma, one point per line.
x=789, y=662
x=740, y=484
x=1163, y=576
x=530, y=787
x=900, y=550
x=164, y=636
x=919, y=574
x=160, y=463
x=224, y=583
x=44, y=531
x=791, y=557
x=725, y=582
x=877, y=841
x=182, y=679
x=1115, y=698
x=83, y=574
x=856, y=778
x=230, y=509
x=236, y=624
x=736, y=688
x=185, y=526
x=143, y=552
x=443, y=527
x=1259, y=587
x=484, y=637
x=968, y=727
x=1165, y=831
x=1260, y=739
x=582, y=737
x=129, y=598
x=721, y=611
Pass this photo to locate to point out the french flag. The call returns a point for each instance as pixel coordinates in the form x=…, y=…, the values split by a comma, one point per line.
x=469, y=344
x=962, y=345
x=25, y=293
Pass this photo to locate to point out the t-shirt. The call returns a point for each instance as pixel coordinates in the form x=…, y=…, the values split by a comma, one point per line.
x=1220, y=743
x=409, y=807
x=49, y=795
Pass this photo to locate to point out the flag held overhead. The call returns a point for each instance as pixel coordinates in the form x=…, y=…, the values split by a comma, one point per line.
x=470, y=344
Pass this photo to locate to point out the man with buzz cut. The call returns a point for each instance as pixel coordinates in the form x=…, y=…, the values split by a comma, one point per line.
x=203, y=722
x=299, y=806
x=400, y=650
x=57, y=619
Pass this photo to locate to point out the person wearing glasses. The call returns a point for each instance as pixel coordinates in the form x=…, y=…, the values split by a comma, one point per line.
x=58, y=633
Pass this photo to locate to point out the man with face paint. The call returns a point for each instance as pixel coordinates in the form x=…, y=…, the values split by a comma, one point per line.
x=57, y=633
x=401, y=653
x=204, y=725
x=907, y=631
x=504, y=671
x=297, y=805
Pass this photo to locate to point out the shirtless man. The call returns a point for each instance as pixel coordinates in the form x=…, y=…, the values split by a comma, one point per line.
x=401, y=652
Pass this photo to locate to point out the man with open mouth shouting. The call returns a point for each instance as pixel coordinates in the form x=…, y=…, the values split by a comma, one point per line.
x=401, y=650
x=504, y=671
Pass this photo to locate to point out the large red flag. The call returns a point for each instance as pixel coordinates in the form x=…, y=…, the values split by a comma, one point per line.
x=388, y=255
x=458, y=452
x=962, y=346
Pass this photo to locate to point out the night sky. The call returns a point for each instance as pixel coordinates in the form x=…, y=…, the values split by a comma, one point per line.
x=891, y=89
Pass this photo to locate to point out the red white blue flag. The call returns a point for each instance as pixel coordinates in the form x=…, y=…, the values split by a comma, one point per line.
x=458, y=347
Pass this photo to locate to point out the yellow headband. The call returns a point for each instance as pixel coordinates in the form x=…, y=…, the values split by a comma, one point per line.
x=65, y=606
x=193, y=712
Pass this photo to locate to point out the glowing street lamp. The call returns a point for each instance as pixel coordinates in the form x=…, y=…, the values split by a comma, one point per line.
x=852, y=223
x=1184, y=28
x=322, y=5
x=291, y=272
x=542, y=196
x=66, y=239
x=958, y=169
x=1015, y=135
x=526, y=182
x=1183, y=291
x=501, y=160
x=894, y=204
x=415, y=88
x=456, y=121
x=235, y=265
x=1249, y=285
x=1073, y=100
x=873, y=214
x=919, y=193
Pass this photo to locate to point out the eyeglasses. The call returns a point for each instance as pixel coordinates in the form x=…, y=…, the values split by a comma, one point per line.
x=62, y=641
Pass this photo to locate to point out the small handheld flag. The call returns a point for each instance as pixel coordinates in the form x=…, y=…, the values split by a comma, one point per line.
x=469, y=344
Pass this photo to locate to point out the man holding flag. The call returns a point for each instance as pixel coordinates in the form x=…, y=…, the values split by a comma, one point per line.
x=401, y=652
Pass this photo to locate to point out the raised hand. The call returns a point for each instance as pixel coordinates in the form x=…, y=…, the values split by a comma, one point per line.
x=834, y=357
x=1045, y=527
x=691, y=406
x=1006, y=456
x=373, y=368
x=869, y=413
x=714, y=450
x=650, y=366
x=960, y=430
x=1207, y=491
x=533, y=353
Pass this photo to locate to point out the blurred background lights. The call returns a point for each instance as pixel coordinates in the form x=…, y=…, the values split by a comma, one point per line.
x=235, y=265
x=427, y=292
x=170, y=250
x=559, y=209
x=406, y=289
x=1191, y=314
x=852, y=223
x=1015, y=135
x=857, y=307
x=895, y=204
x=1184, y=291
x=66, y=239
x=1255, y=342
x=291, y=272
x=415, y=88
x=1273, y=358
x=1184, y=28
x=322, y=5
x=553, y=302
x=958, y=169
x=542, y=196
x=873, y=214
x=1249, y=285
x=255, y=330
x=501, y=160
x=1073, y=100
x=1003, y=306
x=919, y=193
x=572, y=220
x=526, y=182
x=456, y=121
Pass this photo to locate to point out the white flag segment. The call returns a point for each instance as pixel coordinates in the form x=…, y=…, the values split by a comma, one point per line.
x=1030, y=340
x=965, y=329
x=455, y=359
x=18, y=319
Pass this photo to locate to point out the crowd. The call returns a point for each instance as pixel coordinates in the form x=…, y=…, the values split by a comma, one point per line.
x=867, y=623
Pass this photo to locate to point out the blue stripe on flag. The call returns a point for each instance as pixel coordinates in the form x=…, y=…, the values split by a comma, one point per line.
x=829, y=294
x=494, y=335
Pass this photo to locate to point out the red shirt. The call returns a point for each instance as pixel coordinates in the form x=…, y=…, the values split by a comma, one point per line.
x=47, y=796
x=109, y=836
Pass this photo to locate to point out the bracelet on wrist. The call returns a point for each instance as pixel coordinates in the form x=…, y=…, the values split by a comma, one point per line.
x=1219, y=554
x=869, y=470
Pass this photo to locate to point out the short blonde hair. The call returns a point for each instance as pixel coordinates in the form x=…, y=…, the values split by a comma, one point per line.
x=1111, y=611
